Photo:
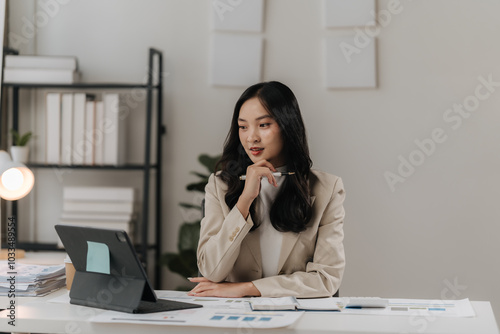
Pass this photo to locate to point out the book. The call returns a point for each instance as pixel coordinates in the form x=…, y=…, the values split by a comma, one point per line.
x=294, y=304
x=99, y=193
x=79, y=128
x=40, y=76
x=97, y=216
x=98, y=206
x=66, y=128
x=89, y=158
x=48, y=62
x=53, y=128
x=114, y=131
x=123, y=225
x=98, y=134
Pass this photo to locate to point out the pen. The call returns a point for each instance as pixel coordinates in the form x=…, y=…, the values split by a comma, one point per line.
x=243, y=177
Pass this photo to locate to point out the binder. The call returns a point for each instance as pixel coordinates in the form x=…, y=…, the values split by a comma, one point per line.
x=114, y=134
x=53, y=128
x=66, y=128
x=79, y=128
x=89, y=157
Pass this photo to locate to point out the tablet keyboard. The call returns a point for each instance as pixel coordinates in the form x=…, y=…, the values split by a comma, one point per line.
x=162, y=305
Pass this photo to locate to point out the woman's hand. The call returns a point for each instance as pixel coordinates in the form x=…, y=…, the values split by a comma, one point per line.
x=254, y=174
x=207, y=288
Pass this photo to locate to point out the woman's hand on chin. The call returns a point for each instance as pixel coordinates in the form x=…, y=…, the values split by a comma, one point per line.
x=207, y=288
x=251, y=189
x=254, y=174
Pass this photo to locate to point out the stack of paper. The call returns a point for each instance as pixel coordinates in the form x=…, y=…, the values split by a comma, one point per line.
x=30, y=280
x=101, y=207
x=41, y=69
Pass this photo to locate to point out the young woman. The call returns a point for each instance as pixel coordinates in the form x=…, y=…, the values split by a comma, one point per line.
x=278, y=230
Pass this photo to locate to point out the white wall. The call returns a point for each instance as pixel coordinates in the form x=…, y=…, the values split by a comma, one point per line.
x=438, y=228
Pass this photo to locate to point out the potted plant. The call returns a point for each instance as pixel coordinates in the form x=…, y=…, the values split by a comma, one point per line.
x=184, y=262
x=19, y=149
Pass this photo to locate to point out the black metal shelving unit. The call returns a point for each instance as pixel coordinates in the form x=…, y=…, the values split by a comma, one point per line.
x=144, y=246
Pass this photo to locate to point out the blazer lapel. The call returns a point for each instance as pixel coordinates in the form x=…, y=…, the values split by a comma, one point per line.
x=252, y=241
x=289, y=240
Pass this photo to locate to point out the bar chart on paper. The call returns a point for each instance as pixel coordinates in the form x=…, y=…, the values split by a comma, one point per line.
x=216, y=312
x=419, y=307
x=206, y=317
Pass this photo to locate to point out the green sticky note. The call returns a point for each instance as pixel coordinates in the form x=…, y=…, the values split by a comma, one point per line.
x=98, y=257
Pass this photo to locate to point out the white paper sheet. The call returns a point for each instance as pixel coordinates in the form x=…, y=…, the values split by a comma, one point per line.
x=28, y=273
x=420, y=307
x=206, y=317
x=216, y=312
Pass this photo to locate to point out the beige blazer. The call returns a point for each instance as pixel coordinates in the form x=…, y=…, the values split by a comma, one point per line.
x=311, y=263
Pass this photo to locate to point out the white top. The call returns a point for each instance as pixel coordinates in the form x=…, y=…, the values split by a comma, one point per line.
x=270, y=238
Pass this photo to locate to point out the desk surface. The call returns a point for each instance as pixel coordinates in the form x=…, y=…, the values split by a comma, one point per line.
x=36, y=315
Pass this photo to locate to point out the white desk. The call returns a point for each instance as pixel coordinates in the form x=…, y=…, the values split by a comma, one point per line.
x=41, y=317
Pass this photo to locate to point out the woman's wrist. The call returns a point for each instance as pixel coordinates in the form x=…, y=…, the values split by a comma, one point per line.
x=244, y=207
x=251, y=290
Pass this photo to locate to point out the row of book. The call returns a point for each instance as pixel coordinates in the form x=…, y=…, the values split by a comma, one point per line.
x=41, y=69
x=81, y=130
x=101, y=207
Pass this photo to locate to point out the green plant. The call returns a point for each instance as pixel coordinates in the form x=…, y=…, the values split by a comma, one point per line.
x=184, y=262
x=18, y=140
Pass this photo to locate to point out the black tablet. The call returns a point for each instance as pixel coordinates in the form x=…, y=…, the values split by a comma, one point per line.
x=109, y=274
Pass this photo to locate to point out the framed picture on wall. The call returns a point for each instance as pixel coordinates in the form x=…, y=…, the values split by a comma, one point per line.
x=349, y=13
x=349, y=64
x=236, y=59
x=238, y=16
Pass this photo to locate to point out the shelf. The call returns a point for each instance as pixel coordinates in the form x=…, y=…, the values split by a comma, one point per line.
x=106, y=167
x=83, y=85
x=32, y=246
x=154, y=101
x=37, y=246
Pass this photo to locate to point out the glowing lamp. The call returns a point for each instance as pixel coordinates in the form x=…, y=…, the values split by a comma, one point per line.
x=16, y=180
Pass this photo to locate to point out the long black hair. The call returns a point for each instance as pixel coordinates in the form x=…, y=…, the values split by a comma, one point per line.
x=291, y=210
